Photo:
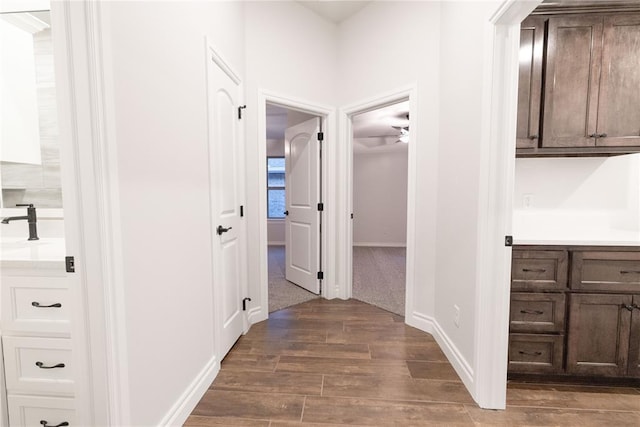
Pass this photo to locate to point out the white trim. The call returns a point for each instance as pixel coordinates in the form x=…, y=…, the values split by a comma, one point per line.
x=185, y=404
x=90, y=191
x=329, y=240
x=497, y=165
x=429, y=325
x=455, y=357
x=344, y=196
x=256, y=315
x=380, y=244
x=421, y=321
x=224, y=65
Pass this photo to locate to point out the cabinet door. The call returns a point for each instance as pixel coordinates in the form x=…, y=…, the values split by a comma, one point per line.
x=599, y=326
x=634, y=339
x=574, y=54
x=619, y=104
x=530, y=82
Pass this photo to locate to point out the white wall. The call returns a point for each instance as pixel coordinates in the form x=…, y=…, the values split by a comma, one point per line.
x=462, y=106
x=290, y=51
x=594, y=197
x=380, y=198
x=159, y=77
x=385, y=47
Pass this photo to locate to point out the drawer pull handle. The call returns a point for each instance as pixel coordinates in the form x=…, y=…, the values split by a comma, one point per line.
x=629, y=271
x=534, y=270
x=628, y=307
x=41, y=366
x=37, y=304
x=531, y=353
x=538, y=312
x=46, y=424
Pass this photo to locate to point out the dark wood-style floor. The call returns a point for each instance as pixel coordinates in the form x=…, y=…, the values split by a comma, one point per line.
x=347, y=363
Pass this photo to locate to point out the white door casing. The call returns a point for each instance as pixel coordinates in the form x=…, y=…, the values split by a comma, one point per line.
x=302, y=224
x=225, y=154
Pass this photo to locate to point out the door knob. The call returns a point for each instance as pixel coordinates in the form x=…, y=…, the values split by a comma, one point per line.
x=221, y=229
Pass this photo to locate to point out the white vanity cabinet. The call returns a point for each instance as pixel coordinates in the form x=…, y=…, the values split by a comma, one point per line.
x=39, y=377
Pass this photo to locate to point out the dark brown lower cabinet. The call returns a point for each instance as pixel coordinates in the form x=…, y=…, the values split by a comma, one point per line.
x=536, y=353
x=599, y=334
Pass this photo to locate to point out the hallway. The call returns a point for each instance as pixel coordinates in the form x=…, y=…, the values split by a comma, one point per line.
x=338, y=363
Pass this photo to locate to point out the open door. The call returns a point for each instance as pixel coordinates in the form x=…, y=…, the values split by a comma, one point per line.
x=226, y=195
x=302, y=223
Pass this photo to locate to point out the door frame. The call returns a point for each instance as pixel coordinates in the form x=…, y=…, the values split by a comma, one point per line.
x=328, y=237
x=345, y=254
x=488, y=378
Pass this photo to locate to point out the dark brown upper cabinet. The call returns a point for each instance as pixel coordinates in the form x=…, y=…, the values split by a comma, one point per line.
x=574, y=57
x=587, y=79
x=530, y=82
x=619, y=100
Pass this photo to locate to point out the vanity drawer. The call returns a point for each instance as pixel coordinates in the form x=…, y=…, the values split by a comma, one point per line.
x=38, y=365
x=606, y=271
x=536, y=353
x=539, y=270
x=32, y=410
x=537, y=312
x=36, y=304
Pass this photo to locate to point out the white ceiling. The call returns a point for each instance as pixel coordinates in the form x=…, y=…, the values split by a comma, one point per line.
x=372, y=131
x=335, y=11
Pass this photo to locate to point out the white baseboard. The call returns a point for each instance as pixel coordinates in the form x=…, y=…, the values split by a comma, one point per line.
x=429, y=325
x=457, y=360
x=381, y=244
x=183, y=407
x=420, y=321
x=256, y=314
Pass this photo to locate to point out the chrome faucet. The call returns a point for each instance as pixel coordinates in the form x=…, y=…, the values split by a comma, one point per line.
x=30, y=217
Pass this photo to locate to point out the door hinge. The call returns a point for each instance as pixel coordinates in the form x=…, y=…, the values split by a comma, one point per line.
x=320, y=207
x=244, y=303
x=240, y=108
x=70, y=264
x=320, y=136
x=508, y=240
x=320, y=275
x=241, y=211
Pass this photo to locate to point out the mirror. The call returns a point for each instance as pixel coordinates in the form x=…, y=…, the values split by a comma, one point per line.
x=29, y=150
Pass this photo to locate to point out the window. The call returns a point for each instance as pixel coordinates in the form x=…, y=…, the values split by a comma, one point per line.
x=275, y=187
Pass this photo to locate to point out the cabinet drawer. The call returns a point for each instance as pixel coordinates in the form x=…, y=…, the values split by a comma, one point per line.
x=536, y=353
x=536, y=312
x=38, y=365
x=606, y=271
x=36, y=304
x=32, y=410
x=539, y=270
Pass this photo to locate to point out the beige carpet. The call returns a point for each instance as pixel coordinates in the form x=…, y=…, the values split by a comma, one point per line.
x=379, y=277
x=281, y=292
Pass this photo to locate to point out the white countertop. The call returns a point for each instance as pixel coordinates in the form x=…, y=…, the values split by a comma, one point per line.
x=18, y=252
x=579, y=238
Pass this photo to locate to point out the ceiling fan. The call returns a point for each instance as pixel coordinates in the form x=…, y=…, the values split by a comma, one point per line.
x=403, y=136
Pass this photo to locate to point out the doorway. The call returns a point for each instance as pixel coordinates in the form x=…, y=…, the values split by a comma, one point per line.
x=379, y=199
x=293, y=219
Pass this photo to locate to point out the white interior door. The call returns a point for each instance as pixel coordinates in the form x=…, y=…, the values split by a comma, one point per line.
x=228, y=250
x=302, y=224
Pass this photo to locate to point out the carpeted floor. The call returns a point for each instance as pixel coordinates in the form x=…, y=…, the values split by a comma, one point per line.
x=379, y=277
x=281, y=292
